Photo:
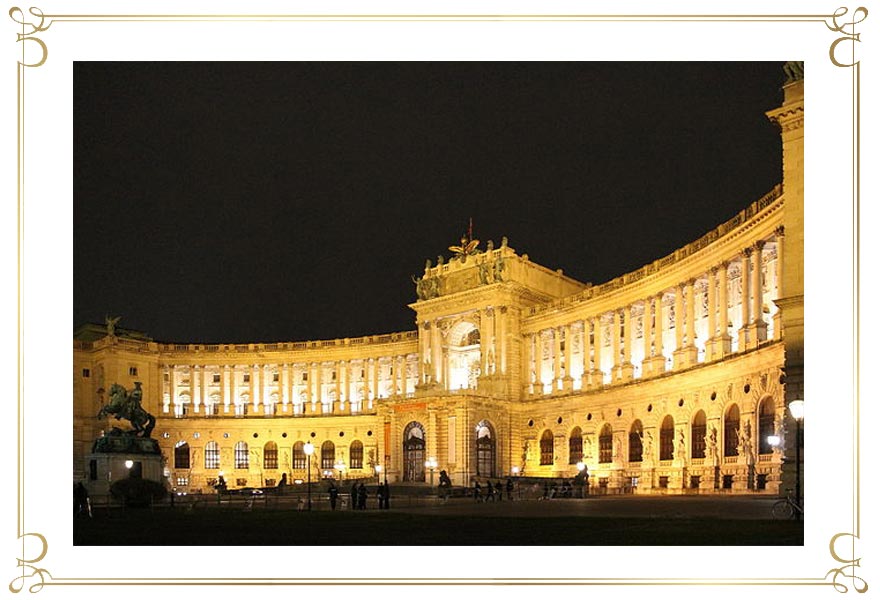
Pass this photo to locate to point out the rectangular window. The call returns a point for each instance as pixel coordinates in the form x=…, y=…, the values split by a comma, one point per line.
x=182, y=481
x=663, y=481
x=275, y=377
x=86, y=373
x=212, y=456
x=695, y=482
x=93, y=470
x=727, y=482
x=247, y=378
x=241, y=482
x=216, y=378
x=133, y=371
x=305, y=377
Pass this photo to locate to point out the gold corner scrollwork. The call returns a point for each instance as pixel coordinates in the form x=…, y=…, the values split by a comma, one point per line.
x=31, y=23
x=848, y=570
x=28, y=568
x=848, y=29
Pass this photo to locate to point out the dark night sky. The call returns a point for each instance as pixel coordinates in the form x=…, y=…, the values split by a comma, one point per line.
x=259, y=202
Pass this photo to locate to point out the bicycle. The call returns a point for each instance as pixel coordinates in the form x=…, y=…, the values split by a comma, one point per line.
x=787, y=508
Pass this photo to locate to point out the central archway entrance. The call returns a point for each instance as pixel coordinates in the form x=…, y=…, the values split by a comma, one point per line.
x=414, y=452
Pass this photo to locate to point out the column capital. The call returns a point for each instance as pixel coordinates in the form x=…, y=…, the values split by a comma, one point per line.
x=779, y=231
x=759, y=245
x=746, y=252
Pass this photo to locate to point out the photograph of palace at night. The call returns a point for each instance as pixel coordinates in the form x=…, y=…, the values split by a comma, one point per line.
x=519, y=386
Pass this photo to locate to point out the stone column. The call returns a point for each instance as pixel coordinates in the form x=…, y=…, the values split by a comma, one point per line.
x=484, y=343
x=227, y=384
x=757, y=326
x=712, y=322
x=195, y=373
x=284, y=376
x=777, y=317
x=585, y=354
x=688, y=356
x=503, y=335
x=596, y=379
x=337, y=385
x=723, y=340
x=567, y=380
x=657, y=362
x=626, y=367
x=678, y=356
x=647, y=331
x=744, y=278
x=539, y=362
x=172, y=378
x=615, y=345
x=375, y=378
x=555, y=343
x=437, y=352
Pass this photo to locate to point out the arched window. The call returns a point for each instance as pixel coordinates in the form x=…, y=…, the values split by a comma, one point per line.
x=606, y=444
x=575, y=446
x=328, y=455
x=270, y=455
x=485, y=450
x=414, y=452
x=635, y=442
x=698, y=435
x=212, y=455
x=766, y=426
x=731, y=431
x=181, y=455
x=667, y=438
x=241, y=455
x=299, y=456
x=356, y=455
x=547, y=447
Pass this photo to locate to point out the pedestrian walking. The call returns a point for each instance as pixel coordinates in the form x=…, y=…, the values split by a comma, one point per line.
x=334, y=493
x=478, y=491
x=499, y=494
x=509, y=488
x=386, y=495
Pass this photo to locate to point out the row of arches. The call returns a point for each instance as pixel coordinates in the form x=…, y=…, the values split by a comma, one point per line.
x=326, y=454
x=736, y=438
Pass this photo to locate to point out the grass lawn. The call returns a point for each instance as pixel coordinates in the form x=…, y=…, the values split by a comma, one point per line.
x=291, y=528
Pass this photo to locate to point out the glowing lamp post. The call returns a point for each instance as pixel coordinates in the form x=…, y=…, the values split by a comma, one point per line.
x=431, y=464
x=309, y=449
x=378, y=472
x=796, y=408
x=515, y=471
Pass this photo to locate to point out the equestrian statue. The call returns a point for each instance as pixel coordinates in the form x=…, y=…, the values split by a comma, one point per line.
x=125, y=405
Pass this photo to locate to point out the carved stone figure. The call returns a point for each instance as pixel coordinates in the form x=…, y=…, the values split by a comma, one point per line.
x=125, y=405
x=794, y=70
x=711, y=439
x=498, y=269
x=111, y=324
x=681, y=452
x=648, y=446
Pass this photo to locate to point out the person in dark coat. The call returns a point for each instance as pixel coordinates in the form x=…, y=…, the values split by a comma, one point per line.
x=334, y=493
x=81, y=500
x=477, y=491
x=509, y=488
x=354, y=495
x=380, y=496
x=362, y=497
x=498, y=493
x=386, y=494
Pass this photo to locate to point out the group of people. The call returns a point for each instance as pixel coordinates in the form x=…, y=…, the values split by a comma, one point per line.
x=358, y=495
x=564, y=489
x=494, y=492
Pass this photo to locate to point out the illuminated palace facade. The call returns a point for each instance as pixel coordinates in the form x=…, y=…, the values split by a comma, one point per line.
x=668, y=379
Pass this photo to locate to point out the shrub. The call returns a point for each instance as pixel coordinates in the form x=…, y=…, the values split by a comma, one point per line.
x=135, y=492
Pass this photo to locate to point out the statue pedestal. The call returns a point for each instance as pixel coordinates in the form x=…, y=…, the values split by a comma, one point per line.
x=110, y=456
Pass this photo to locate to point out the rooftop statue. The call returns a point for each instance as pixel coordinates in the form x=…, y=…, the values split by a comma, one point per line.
x=468, y=245
x=125, y=405
x=111, y=324
x=794, y=70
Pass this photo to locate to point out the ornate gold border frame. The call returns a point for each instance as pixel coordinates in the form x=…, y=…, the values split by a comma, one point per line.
x=845, y=573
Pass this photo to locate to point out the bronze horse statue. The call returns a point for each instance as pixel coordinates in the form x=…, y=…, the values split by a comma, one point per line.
x=125, y=405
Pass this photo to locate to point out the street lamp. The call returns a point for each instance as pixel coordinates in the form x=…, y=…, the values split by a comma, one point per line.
x=309, y=449
x=796, y=408
x=431, y=463
x=340, y=466
x=378, y=472
x=515, y=471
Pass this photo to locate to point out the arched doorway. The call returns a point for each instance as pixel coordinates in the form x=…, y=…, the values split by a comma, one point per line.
x=485, y=450
x=463, y=344
x=414, y=452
